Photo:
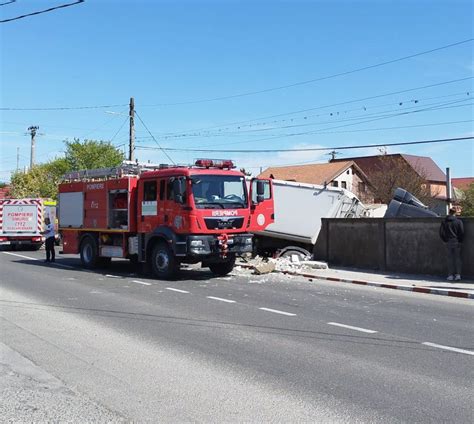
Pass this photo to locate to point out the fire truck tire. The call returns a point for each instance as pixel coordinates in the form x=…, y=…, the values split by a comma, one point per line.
x=163, y=262
x=89, y=253
x=223, y=268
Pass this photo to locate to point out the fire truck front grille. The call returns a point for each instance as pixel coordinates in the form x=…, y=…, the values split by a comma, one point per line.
x=224, y=223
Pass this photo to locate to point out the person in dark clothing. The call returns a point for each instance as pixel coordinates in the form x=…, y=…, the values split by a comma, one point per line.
x=451, y=232
x=49, y=234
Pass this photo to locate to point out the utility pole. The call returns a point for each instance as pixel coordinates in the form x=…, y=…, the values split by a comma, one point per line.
x=32, y=129
x=449, y=193
x=17, y=158
x=131, y=147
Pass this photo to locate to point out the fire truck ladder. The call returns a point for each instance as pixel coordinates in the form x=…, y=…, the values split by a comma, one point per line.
x=127, y=168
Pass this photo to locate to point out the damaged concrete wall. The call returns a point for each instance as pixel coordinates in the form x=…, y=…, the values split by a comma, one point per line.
x=396, y=244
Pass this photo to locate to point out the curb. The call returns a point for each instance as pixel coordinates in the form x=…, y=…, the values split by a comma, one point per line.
x=426, y=290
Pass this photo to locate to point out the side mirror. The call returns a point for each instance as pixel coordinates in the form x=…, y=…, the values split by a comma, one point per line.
x=260, y=189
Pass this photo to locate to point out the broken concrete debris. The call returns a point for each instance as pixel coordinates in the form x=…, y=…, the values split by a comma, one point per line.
x=291, y=264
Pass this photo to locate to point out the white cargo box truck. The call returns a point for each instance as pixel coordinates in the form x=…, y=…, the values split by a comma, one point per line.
x=22, y=221
x=299, y=208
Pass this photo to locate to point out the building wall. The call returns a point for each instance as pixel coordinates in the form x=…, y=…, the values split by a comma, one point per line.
x=353, y=183
x=396, y=244
x=347, y=178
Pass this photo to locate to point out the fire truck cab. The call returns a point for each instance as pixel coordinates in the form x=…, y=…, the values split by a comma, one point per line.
x=163, y=215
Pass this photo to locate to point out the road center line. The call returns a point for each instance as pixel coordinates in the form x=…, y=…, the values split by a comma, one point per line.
x=350, y=327
x=112, y=276
x=219, y=298
x=453, y=349
x=141, y=282
x=176, y=290
x=276, y=311
x=21, y=256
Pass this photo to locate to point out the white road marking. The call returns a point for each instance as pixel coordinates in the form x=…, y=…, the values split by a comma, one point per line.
x=176, y=290
x=141, y=282
x=453, y=349
x=219, y=298
x=276, y=311
x=36, y=259
x=112, y=276
x=21, y=256
x=350, y=327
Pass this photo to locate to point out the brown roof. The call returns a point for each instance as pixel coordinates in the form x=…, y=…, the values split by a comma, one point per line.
x=4, y=191
x=423, y=165
x=462, y=183
x=317, y=173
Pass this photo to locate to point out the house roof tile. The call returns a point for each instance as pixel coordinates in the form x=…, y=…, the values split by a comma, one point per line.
x=462, y=183
x=318, y=173
x=423, y=165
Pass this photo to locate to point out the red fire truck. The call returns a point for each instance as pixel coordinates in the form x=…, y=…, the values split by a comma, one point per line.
x=163, y=215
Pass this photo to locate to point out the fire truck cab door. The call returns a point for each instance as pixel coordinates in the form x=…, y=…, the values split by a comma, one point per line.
x=148, y=205
x=262, y=206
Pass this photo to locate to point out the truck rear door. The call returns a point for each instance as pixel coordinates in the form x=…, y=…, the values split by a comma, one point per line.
x=262, y=205
x=21, y=219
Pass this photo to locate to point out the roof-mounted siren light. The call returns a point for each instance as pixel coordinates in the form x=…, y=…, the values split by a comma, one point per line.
x=204, y=163
x=215, y=163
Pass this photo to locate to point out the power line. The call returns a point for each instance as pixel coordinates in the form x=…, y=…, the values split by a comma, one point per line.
x=363, y=146
x=120, y=129
x=154, y=139
x=41, y=11
x=334, y=104
x=400, y=127
x=313, y=80
x=378, y=118
x=61, y=107
x=330, y=132
x=7, y=2
x=334, y=113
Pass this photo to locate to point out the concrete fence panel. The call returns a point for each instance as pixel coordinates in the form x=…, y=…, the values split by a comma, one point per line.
x=395, y=244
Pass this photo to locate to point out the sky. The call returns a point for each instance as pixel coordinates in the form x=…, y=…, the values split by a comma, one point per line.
x=236, y=75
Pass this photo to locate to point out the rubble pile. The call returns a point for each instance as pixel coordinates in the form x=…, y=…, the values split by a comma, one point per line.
x=291, y=264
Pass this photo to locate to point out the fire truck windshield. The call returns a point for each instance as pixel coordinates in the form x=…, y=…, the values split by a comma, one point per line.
x=219, y=191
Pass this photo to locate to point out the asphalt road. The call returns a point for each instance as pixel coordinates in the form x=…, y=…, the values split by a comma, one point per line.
x=122, y=346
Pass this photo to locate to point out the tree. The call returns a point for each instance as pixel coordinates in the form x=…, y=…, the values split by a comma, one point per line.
x=391, y=173
x=42, y=180
x=91, y=154
x=467, y=201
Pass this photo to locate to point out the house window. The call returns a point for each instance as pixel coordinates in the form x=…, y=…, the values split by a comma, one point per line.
x=361, y=187
x=343, y=184
x=335, y=184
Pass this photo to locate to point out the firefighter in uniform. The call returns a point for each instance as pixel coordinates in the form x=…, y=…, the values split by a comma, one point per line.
x=49, y=235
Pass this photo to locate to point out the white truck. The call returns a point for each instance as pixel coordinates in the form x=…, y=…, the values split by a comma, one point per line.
x=22, y=221
x=299, y=208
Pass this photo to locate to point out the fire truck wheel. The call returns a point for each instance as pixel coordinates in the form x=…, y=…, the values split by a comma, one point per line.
x=163, y=262
x=223, y=268
x=89, y=256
